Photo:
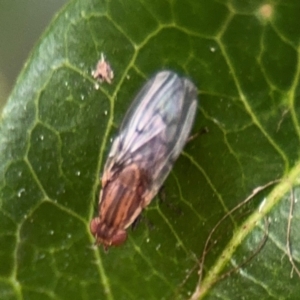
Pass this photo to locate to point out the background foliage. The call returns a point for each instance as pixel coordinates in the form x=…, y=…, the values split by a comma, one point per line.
x=57, y=127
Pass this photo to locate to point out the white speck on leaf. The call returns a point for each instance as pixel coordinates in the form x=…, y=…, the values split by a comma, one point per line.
x=266, y=11
x=262, y=205
x=20, y=192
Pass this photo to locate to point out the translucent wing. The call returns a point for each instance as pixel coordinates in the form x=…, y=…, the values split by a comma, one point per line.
x=155, y=129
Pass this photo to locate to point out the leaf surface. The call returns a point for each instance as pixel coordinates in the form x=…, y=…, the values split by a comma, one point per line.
x=56, y=132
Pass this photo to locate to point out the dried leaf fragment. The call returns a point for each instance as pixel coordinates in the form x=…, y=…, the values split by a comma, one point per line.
x=103, y=71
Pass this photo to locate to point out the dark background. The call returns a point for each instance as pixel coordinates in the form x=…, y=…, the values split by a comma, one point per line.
x=21, y=25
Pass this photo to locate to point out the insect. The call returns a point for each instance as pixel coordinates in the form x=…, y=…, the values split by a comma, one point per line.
x=103, y=71
x=151, y=137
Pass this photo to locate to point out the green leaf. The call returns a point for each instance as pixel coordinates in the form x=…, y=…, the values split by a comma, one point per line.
x=56, y=131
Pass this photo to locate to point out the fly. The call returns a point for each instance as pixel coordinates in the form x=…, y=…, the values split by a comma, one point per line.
x=151, y=137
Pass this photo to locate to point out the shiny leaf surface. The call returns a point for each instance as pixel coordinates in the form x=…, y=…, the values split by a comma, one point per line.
x=56, y=131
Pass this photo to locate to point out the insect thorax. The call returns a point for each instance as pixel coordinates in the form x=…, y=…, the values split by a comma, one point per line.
x=120, y=204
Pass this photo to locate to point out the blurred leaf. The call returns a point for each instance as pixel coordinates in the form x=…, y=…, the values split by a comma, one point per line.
x=57, y=127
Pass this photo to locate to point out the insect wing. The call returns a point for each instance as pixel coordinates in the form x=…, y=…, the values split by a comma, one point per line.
x=155, y=129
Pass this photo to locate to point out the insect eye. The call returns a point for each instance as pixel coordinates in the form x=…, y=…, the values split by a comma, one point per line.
x=94, y=225
x=119, y=238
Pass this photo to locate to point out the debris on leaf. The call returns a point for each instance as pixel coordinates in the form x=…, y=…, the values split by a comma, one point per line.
x=103, y=71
